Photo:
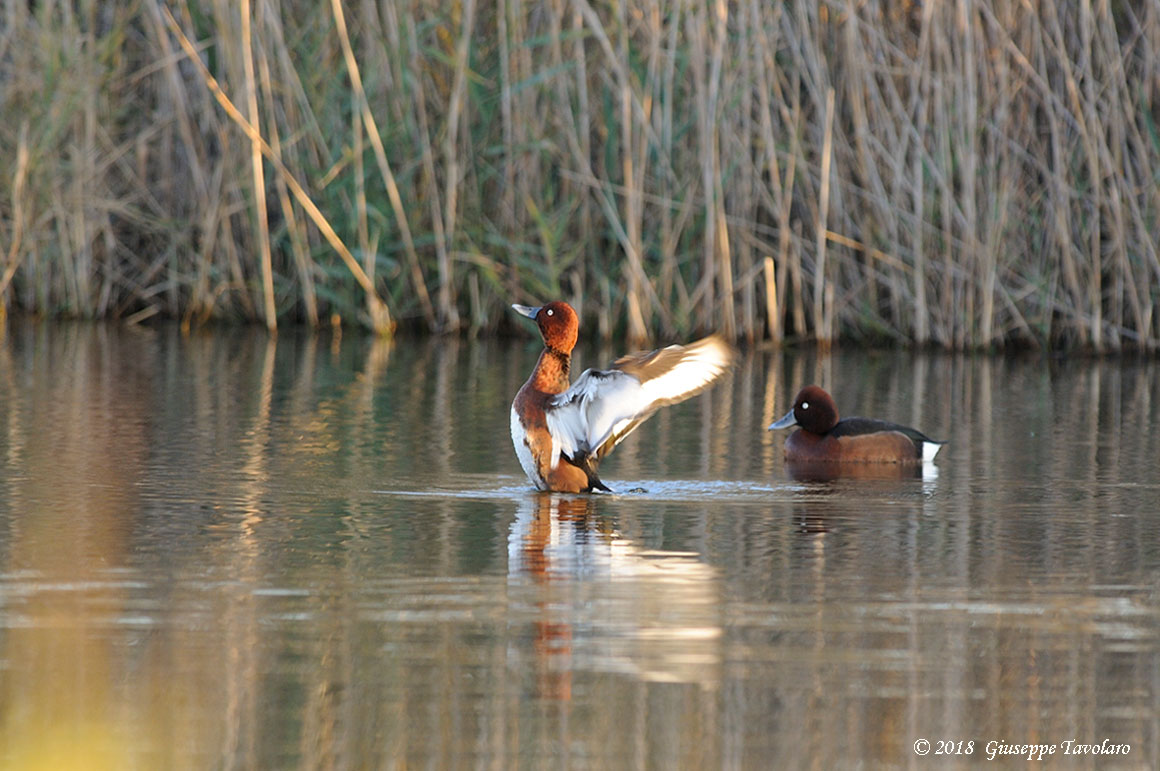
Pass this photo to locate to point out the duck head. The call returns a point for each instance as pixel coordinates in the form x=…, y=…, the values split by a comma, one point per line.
x=559, y=325
x=813, y=409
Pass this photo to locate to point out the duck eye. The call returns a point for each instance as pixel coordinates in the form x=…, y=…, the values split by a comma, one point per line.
x=805, y=405
x=550, y=311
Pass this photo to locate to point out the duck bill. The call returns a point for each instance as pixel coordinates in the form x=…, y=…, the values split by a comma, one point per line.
x=526, y=310
x=786, y=421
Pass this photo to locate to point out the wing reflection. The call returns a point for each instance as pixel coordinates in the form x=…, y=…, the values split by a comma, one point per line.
x=597, y=601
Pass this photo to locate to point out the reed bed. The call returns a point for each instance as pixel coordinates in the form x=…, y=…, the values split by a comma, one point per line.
x=961, y=175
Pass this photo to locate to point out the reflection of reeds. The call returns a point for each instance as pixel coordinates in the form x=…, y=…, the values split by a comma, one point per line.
x=253, y=568
x=986, y=173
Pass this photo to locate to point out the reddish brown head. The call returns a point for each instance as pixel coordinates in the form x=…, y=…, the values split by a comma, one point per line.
x=558, y=324
x=813, y=409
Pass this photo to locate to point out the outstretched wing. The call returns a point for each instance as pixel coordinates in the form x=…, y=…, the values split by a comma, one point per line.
x=604, y=406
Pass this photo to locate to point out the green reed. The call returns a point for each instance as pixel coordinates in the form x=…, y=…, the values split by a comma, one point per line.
x=960, y=175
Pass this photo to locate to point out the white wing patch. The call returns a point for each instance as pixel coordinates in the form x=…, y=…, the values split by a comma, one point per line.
x=584, y=416
x=702, y=363
x=603, y=403
x=555, y=459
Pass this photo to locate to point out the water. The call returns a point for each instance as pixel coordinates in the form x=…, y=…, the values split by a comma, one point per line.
x=221, y=552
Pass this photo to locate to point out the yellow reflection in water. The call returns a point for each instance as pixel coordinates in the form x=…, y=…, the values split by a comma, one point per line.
x=61, y=707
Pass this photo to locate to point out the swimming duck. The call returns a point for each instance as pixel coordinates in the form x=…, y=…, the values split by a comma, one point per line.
x=562, y=430
x=824, y=438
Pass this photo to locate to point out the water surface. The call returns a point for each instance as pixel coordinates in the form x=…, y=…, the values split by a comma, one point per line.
x=220, y=551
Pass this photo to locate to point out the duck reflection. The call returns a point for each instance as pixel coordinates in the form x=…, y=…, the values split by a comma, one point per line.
x=532, y=550
x=556, y=533
x=837, y=492
x=598, y=601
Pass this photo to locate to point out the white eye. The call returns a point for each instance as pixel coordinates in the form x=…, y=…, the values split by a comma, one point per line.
x=550, y=311
x=805, y=405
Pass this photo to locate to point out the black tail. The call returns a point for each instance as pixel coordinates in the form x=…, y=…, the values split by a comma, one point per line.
x=594, y=483
x=587, y=464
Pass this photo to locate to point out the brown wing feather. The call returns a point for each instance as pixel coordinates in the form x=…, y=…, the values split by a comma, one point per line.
x=654, y=364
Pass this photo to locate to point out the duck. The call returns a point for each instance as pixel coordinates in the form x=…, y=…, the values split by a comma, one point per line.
x=561, y=430
x=823, y=438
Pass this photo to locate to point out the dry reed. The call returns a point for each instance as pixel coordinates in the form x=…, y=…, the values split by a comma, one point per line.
x=959, y=174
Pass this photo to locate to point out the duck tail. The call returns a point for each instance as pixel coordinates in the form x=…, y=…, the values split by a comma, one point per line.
x=595, y=484
x=587, y=463
x=930, y=448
